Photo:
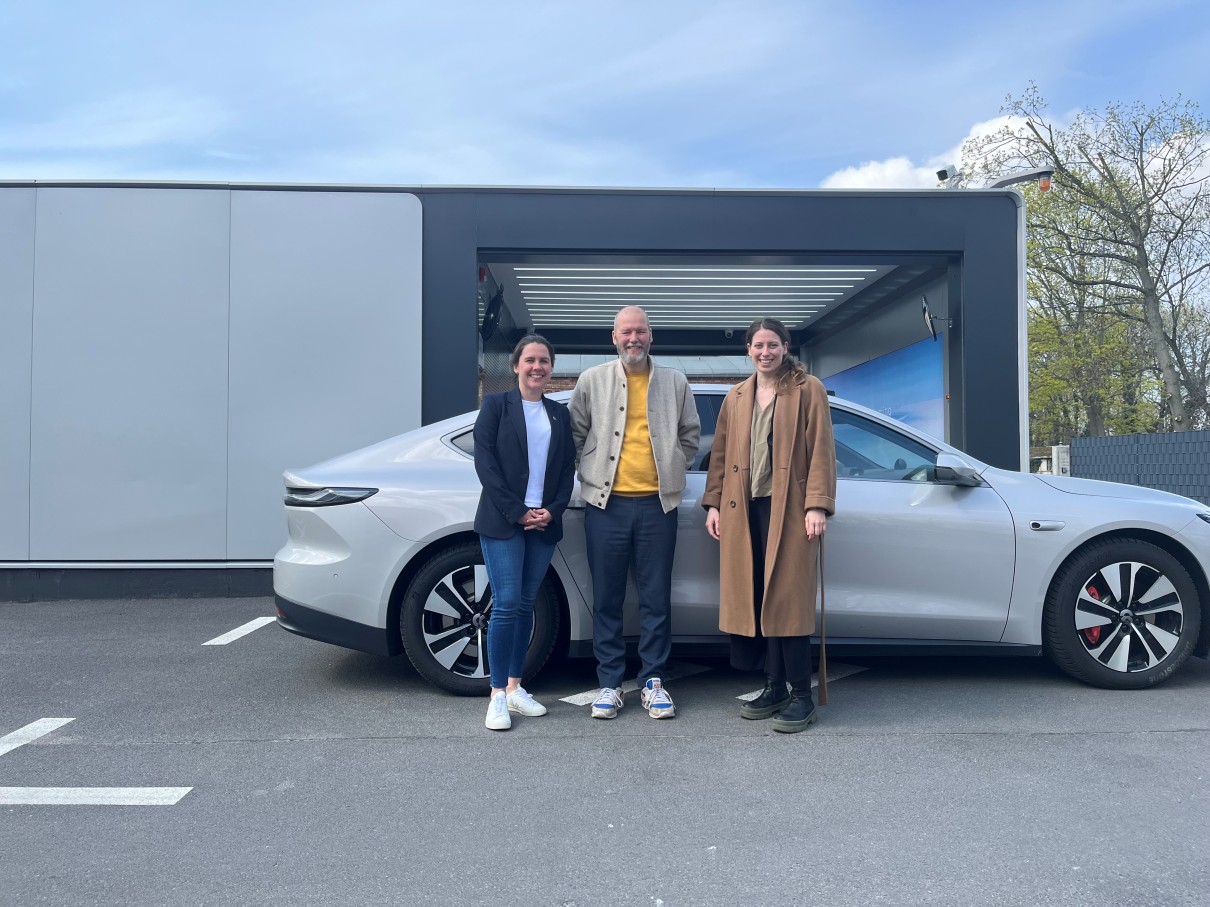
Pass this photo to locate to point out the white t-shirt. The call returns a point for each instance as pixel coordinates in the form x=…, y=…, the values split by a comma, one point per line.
x=537, y=433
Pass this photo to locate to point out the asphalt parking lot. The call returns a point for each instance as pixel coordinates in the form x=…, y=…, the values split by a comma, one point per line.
x=274, y=769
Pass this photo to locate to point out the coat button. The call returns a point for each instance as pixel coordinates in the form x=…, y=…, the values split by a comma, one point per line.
x=613, y=458
x=733, y=503
x=735, y=469
x=616, y=433
x=621, y=409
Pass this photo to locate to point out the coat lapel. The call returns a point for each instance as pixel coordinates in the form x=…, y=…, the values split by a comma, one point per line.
x=552, y=413
x=745, y=399
x=516, y=418
x=785, y=430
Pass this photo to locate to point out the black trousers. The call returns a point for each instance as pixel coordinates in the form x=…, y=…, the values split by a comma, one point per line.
x=631, y=533
x=785, y=658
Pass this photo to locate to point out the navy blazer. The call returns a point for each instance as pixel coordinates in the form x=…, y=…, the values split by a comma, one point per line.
x=502, y=463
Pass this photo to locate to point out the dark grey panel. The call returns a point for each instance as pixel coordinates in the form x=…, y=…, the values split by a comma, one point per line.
x=1177, y=462
x=975, y=231
x=987, y=318
x=450, y=352
x=60, y=584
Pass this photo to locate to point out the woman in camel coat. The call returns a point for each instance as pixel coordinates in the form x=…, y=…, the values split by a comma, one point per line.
x=770, y=488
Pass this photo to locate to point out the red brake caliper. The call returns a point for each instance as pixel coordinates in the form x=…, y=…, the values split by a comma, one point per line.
x=1092, y=634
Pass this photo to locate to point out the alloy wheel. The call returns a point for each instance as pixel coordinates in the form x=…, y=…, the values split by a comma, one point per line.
x=1129, y=616
x=454, y=621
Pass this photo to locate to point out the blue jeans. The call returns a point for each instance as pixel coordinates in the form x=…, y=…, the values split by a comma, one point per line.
x=631, y=533
x=515, y=569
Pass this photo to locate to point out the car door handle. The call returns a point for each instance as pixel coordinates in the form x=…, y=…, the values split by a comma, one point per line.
x=1046, y=525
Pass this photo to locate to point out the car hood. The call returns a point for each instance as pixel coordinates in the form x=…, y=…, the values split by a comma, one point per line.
x=1098, y=489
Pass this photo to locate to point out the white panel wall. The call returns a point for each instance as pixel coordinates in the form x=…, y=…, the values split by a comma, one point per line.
x=16, y=324
x=325, y=340
x=166, y=353
x=129, y=428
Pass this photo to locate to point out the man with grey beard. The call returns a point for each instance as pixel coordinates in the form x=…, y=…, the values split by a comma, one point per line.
x=636, y=431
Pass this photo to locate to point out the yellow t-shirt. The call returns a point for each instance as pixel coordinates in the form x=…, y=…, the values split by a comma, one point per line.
x=636, y=472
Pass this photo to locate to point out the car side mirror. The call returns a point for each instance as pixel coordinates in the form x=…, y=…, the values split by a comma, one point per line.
x=952, y=469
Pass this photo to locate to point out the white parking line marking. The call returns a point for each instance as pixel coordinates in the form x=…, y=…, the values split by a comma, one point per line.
x=77, y=796
x=30, y=732
x=836, y=670
x=92, y=796
x=240, y=631
x=675, y=670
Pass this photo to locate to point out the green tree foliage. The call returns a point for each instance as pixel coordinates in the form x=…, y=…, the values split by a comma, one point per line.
x=1089, y=370
x=1119, y=261
x=1087, y=377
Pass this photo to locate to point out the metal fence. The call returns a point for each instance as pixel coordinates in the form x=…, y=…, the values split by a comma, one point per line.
x=1178, y=462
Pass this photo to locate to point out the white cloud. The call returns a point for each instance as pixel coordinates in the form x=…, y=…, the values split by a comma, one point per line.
x=903, y=173
x=894, y=173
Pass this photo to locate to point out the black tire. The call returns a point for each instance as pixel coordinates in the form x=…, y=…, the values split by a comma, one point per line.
x=1123, y=614
x=443, y=622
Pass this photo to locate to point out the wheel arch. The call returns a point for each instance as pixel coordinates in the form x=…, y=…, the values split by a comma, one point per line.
x=1202, y=647
x=412, y=567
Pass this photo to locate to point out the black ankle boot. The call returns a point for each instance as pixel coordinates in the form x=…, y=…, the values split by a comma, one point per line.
x=800, y=714
x=772, y=698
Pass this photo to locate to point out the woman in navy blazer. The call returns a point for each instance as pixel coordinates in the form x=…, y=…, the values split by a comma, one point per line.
x=525, y=458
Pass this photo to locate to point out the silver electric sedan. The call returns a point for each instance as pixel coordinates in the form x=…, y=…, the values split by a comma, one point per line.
x=930, y=552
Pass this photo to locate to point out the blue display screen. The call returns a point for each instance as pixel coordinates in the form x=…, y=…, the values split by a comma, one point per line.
x=907, y=384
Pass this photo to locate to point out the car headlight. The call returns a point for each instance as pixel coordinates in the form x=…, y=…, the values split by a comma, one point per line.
x=326, y=497
x=1204, y=517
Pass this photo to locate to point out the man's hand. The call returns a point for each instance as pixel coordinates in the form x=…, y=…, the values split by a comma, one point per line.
x=712, y=522
x=817, y=522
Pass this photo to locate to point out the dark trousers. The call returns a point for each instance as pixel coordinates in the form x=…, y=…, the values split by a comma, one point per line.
x=786, y=658
x=630, y=533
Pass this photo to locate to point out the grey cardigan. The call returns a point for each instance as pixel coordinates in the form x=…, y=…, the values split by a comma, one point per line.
x=598, y=420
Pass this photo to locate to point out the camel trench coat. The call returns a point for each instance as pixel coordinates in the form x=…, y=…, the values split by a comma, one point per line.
x=804, y=477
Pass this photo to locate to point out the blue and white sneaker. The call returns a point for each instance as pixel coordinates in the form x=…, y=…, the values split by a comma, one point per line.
x=656, y=701
x=607, y=703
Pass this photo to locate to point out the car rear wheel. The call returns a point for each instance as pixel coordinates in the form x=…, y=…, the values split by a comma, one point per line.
x=443, y=621
x=1123, y=614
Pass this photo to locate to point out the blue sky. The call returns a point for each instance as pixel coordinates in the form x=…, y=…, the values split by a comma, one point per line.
x=751, y=94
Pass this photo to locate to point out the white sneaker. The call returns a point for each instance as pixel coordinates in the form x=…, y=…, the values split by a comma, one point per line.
x=607, y=703
x=522, y=703
x=497, y=713
x=655, y=699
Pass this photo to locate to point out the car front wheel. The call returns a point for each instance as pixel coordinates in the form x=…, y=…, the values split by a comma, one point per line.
x=1123, y=614
x=443, y=621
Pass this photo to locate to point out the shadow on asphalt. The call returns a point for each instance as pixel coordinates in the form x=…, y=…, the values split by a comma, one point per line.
x=359, y=671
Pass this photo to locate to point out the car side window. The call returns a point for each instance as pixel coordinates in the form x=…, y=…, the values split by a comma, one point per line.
x=465, y=442
x=868, y=450
x=707, y=413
